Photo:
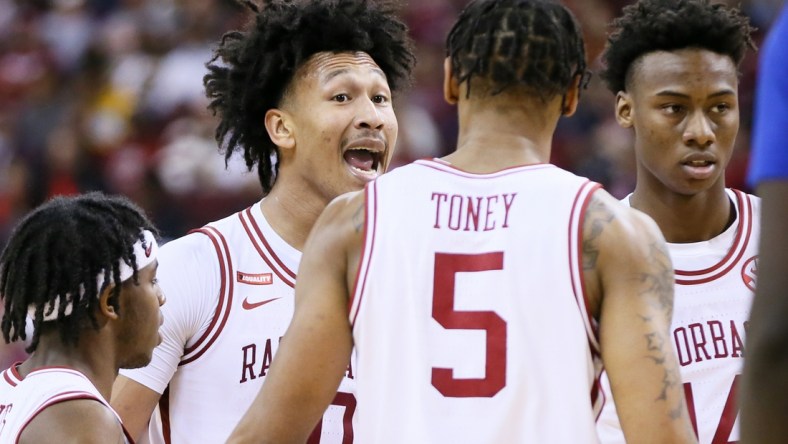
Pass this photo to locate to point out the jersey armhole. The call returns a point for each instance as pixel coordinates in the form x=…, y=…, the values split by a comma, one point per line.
x=370, y=214
x=222, y=310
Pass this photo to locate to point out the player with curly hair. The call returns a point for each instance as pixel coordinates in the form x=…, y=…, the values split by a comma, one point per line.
x=82, y=271
x=480, y=317
x=673, y=65
x=304, y=93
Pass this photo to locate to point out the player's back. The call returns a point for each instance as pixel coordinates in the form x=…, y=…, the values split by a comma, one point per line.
x=468, y=314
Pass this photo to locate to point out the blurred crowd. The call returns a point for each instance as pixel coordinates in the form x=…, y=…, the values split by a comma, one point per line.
x=108, y=95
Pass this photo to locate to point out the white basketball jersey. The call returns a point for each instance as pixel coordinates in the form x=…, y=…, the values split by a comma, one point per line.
x=21, y=399
x=715, y=282
x=468, y=313
x=221, y=373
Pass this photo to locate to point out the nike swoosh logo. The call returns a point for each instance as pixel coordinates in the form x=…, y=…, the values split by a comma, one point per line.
x=252, y=305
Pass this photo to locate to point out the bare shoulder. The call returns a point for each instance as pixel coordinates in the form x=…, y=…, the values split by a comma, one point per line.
x=343, y=215
x=617, y=241
x=79, y=421
x=619, y=228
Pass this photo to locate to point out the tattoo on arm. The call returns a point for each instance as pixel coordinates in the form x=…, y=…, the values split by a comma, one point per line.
x=596, y=218
x=657, y=289
x=358, y=218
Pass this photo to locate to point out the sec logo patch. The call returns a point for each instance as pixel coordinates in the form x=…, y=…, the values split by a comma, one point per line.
x=749, y=272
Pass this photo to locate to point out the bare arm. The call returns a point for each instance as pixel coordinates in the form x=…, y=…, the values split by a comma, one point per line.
x=630, y=280
x=315, y=351
x=134, y=403
x=83, y=421
x=764, y=395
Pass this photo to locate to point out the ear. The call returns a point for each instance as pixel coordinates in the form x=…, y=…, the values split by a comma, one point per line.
x=280, y=128
x=624, y=114
x=572, y=97
x=451, y=89
x=105, y=306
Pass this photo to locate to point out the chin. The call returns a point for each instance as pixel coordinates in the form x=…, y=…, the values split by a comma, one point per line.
x=137, y=362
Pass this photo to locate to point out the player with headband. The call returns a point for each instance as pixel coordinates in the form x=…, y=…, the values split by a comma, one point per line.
x=81, y=271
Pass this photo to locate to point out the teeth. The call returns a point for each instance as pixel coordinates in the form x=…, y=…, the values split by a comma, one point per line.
x=365, y=172
x=699, y=163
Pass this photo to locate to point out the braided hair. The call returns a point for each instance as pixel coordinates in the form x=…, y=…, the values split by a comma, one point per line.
x=535, y=44
x=667, y=25
x=251, y=70
x=56, y=253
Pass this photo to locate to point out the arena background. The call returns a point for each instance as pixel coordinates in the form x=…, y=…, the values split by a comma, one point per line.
x=107, y=95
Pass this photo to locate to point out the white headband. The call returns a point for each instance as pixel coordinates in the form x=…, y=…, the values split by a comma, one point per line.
x=145, y=252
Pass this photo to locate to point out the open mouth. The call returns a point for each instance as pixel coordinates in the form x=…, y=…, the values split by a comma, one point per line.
x=363, y=161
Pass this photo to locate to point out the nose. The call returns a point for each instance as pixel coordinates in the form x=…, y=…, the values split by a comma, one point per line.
x=162, y=298
x=699, y=130
x=369, y=115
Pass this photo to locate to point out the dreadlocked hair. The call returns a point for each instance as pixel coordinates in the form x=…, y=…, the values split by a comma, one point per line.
x=535, y=44
x=667, y=25
x=251, y=70
x=57, y=252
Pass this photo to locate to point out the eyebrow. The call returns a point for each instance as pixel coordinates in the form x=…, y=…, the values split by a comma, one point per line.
x=669, y=93
x=341, y=71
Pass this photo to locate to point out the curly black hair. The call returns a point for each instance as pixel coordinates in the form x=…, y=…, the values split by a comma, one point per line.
x=57, y=252
x=667, y=25
x=536, y=44
x=251, y=70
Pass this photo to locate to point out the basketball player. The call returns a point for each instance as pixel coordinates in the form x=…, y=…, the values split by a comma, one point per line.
x=305, y=95
x=480, y=288
x=764, y=397
x=82, y=271
x=673, y=67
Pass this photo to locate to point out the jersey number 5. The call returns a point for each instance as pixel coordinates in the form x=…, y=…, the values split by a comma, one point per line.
x=446, y=267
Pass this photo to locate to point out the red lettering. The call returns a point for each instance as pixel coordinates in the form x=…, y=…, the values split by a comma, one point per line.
x=487, y=217
x=440, y=196
x=455, y=217
x=472, y=214
x=699, y=343
x=349, y=372
x=718, y=338
x=738, y=347
x=507, y=206
x=248, y=365
x=267, y=357
x=682, y=359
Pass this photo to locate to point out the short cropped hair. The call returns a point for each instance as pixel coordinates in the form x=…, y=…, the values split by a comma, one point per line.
x=667, y=25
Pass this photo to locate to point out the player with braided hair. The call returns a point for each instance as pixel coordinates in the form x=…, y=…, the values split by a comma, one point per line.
x=304, y=93
x=481, y=315
x=673, y=65
x=83, y=269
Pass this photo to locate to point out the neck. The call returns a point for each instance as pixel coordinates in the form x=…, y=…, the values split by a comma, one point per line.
x=497, y=134
x=292, y=211
x=90, y=356
x=686, y=219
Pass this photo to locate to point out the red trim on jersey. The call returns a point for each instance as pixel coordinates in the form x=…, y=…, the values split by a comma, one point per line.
x=267, y=246
x=744, y=231
x=12, y=375
x=371, y=188
x=164, y=413
x=57, y=399
x=361, y=257
x=290, y=282
x=583, y=294
x=226, y=289
x=126, y=433
x=446, y=167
